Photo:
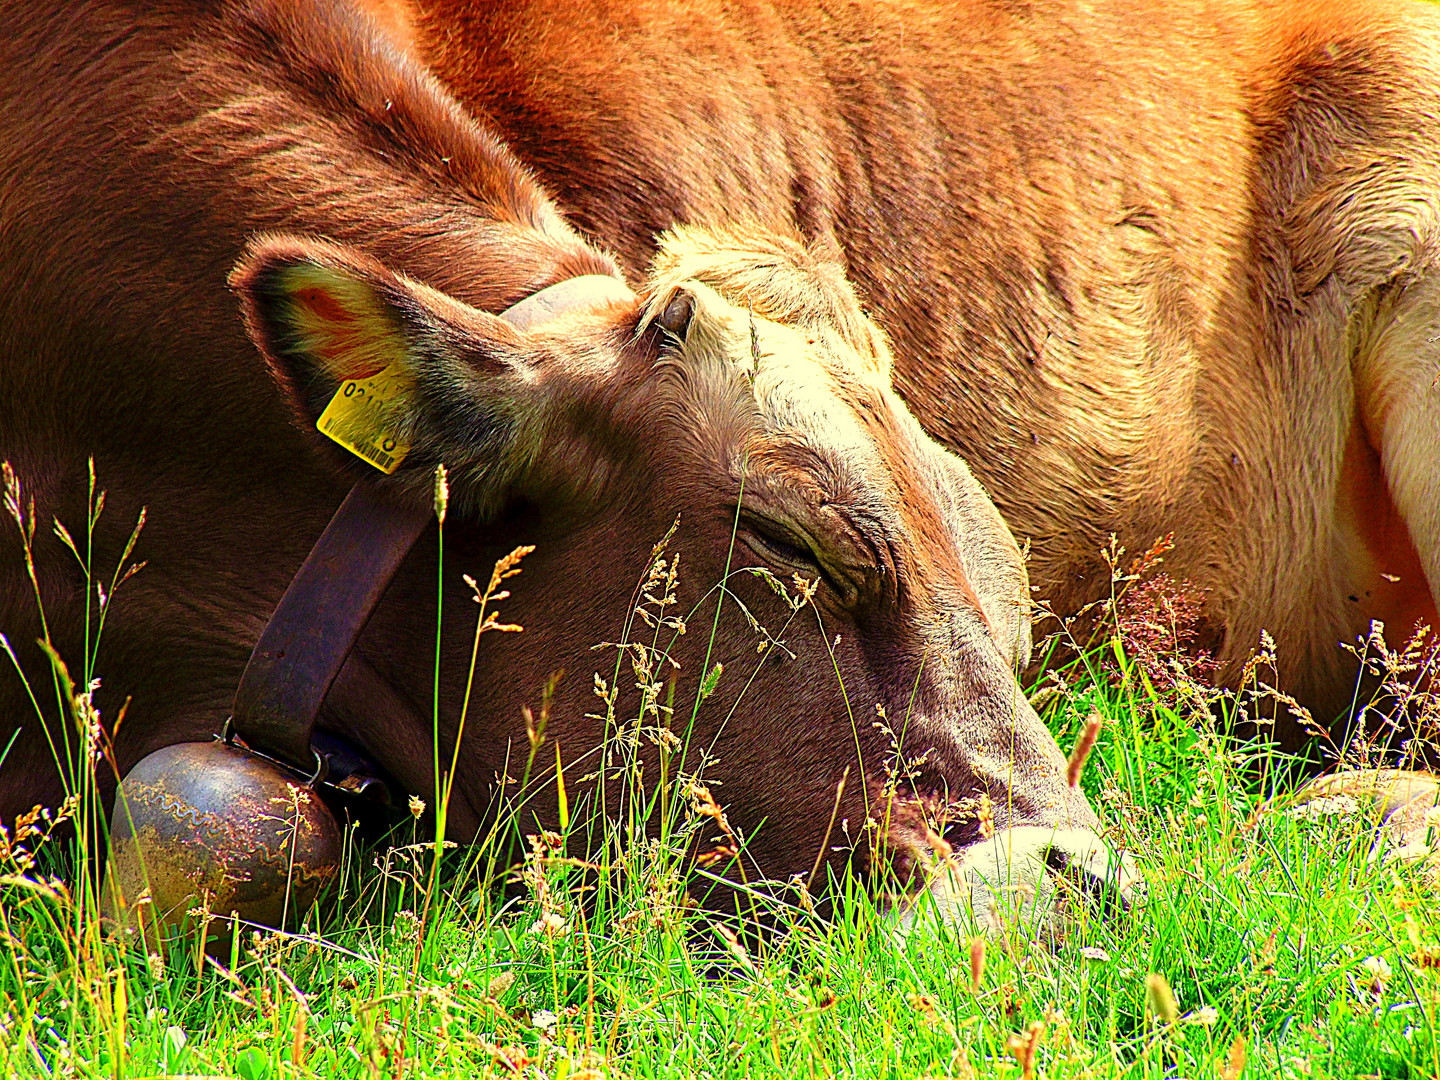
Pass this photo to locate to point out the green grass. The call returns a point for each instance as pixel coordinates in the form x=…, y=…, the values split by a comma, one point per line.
x=1289, y=951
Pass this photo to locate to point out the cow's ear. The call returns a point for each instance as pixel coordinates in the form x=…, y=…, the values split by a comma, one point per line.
x=397, y=375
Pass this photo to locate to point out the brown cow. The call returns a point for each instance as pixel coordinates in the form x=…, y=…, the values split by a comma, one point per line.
x=147, y=144
x=1148, y=266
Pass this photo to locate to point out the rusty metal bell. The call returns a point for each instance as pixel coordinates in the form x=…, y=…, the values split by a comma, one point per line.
x=212, y=826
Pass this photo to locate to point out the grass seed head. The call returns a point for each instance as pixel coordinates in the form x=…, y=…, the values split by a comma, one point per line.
x=1160, y=999
x=977, y=963
x=442, y=493
x=1235, y=1060
x=1023, y=1045
x=1083, y=746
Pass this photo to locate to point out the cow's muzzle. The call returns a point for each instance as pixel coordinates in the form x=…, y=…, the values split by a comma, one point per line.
x=1039, y=880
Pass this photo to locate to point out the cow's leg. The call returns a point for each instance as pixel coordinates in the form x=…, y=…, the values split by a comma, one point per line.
x=1397, y=384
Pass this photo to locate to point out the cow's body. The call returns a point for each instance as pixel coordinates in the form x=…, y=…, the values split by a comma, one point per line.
x=1148, y=267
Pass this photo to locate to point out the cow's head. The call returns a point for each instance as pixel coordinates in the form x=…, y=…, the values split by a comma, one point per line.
x=746, y=395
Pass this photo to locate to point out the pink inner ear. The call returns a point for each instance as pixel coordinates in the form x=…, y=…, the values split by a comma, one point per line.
x=323, y=304
x=338, y=324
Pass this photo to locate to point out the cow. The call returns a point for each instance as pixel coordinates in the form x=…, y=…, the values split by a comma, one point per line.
x=1149, y=268
x=213, y=216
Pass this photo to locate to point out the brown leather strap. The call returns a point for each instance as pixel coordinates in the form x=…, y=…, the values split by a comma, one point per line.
x=319, y=619
x=331, y=598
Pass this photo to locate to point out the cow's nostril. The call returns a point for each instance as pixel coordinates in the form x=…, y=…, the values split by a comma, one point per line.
x=1057, y=860
x=1102, y=879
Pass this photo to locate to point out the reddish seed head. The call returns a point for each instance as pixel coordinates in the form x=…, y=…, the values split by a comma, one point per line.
x=977, y=962
x=1082, y=749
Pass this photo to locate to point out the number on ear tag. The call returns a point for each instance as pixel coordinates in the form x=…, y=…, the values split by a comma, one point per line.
x=363, y=417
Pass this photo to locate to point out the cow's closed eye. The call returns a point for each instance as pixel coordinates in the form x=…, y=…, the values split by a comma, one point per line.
x=783, y=545
x=781, y=542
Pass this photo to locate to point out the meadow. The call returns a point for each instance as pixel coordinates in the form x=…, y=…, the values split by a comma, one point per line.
x=1272, y=941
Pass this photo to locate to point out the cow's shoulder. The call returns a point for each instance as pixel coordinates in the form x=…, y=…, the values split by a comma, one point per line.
x=1346, y=109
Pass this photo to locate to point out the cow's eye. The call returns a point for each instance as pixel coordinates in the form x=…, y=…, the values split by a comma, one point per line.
x=784, y=545
x=793, y=551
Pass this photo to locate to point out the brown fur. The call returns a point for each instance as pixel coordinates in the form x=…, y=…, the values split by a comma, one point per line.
x=152, y=147
x=1148, y=266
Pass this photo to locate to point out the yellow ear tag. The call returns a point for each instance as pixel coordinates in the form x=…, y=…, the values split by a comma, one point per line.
x=363, y=415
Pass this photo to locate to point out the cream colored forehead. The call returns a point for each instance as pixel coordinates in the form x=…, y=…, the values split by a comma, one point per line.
x=776, y=378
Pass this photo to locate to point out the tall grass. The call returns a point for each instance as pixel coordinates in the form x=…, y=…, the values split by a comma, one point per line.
x=1272, y=941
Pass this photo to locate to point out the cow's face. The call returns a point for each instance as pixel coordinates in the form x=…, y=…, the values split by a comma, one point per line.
x=867, y=701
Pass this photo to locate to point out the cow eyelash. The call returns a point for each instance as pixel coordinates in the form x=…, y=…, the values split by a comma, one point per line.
x=787, y=548
x=781, y=547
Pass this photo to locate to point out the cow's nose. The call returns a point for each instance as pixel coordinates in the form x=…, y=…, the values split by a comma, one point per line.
x=1031, y=877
